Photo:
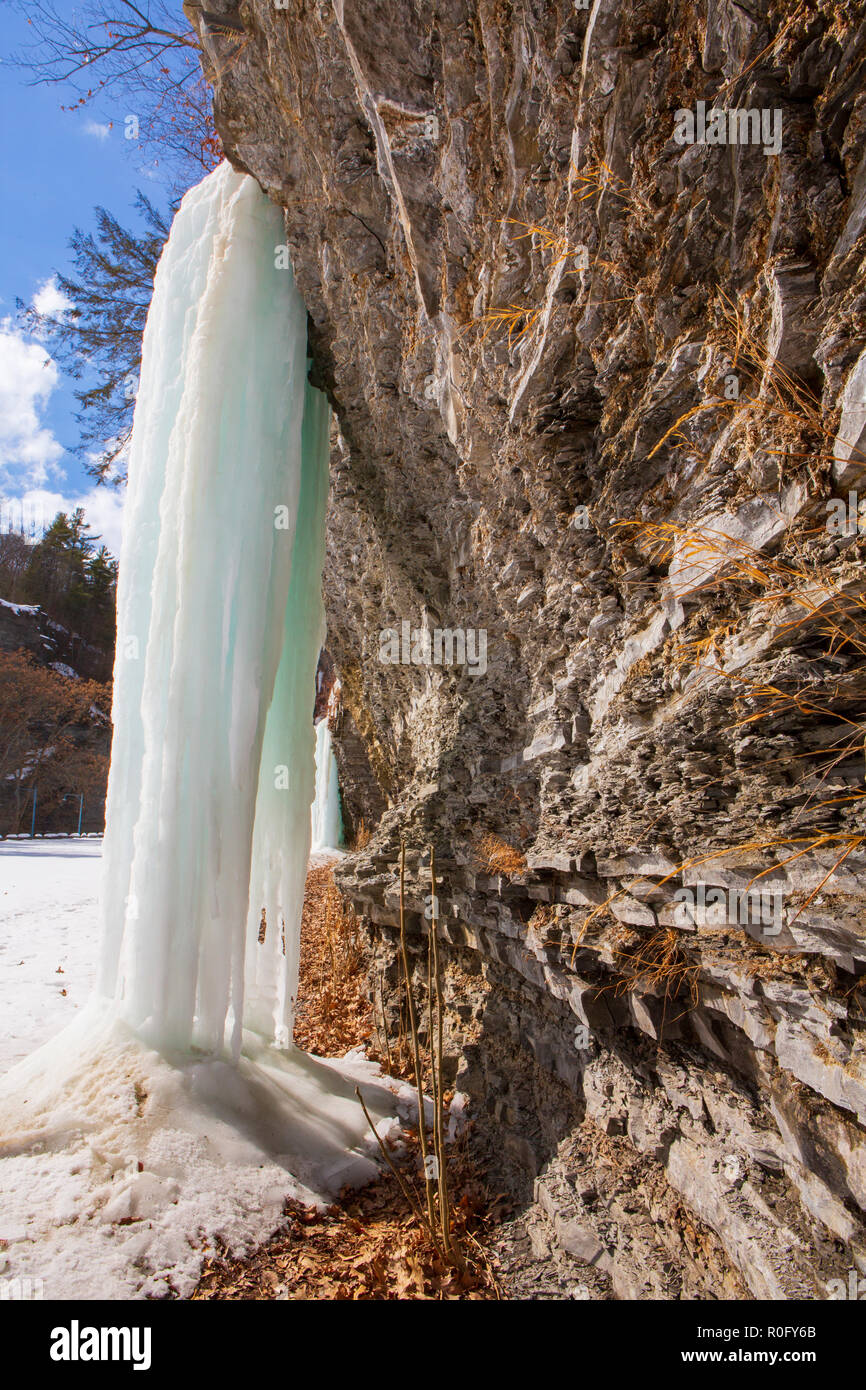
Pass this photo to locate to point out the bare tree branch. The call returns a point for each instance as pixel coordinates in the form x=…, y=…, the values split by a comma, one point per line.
x=111, y=39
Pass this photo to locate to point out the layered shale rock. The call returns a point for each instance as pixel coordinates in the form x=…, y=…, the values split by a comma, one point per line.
x=567, y=352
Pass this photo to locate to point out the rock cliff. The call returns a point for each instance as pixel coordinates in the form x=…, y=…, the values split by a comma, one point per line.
x=585, y=287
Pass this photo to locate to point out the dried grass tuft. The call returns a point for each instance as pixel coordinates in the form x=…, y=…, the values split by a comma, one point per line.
x=496, y=856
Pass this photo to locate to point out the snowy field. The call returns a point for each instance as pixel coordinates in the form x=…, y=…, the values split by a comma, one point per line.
x=49, y=933
x=49, y=936
x=120, y=1165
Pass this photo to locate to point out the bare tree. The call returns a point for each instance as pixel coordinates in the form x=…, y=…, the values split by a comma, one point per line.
x=145, y=55
x=44, y=720
x=104, y=43
x=141, y=52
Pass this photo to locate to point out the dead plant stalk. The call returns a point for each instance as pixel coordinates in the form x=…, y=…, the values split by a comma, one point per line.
x=434, y=984
x=416, y=1050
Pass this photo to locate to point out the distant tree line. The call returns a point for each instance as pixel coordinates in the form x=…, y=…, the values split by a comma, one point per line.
x=55, y=728
x=54, y=736
x=68, y=574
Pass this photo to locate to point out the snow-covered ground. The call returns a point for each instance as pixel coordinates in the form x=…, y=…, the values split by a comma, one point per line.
x=120, y=1165
x=48, y=938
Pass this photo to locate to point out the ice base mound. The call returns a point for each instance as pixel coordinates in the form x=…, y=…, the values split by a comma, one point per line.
x=120, y=1166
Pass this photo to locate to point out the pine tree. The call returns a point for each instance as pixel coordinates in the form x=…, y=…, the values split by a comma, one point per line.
x=101, y=334
x=73, y=581
x=101, y=599
x=53, y=569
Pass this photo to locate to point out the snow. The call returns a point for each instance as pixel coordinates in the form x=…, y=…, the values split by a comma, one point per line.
x=121, y=1165
x=173, y=1109
x=63, y=670
x=220, y=1147
x=48, y=919
x=19, y=608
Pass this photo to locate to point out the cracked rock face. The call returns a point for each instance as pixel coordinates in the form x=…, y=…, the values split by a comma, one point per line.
x=556, y=336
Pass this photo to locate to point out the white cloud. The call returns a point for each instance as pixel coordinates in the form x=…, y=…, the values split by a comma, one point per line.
x=103, y=508
x=29, y=452
x=97, y=130
x=30, y=475
x=48, y=299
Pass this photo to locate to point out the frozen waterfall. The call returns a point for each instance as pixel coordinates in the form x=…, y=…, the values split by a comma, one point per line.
x=326, y=815
x=219, y=629
x=174, y=1103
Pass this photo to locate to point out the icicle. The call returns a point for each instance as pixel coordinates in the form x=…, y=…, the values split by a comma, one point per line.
x=218, y=606
x=286, y=782
x=326, y=814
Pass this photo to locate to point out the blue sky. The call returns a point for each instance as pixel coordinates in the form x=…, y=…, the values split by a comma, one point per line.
x=56, y=167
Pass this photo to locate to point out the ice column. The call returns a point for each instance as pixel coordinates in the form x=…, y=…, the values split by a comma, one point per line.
x=219, y=627
x=326, y=814
x=281, y=845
